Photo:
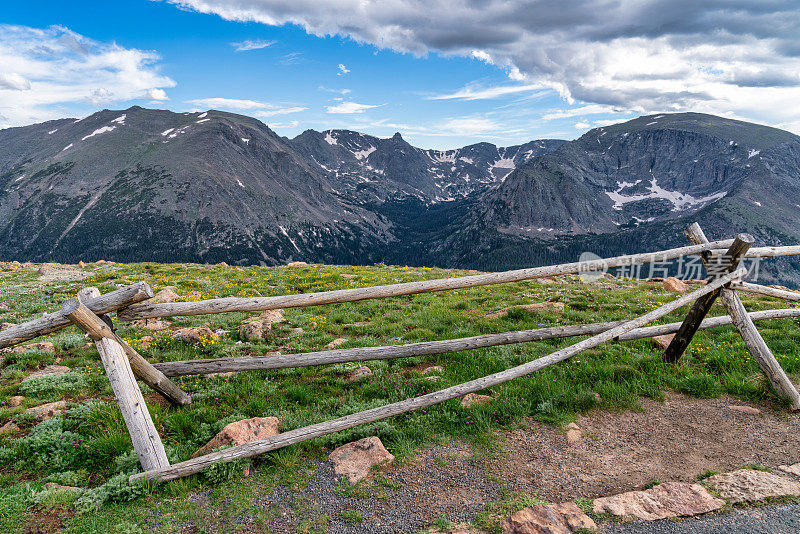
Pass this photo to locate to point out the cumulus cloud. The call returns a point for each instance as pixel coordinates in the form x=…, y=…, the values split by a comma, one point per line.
x=638, y=55
x=44, y=69
x=157, y=95
x=252, y=44
x=342, y=70
x=350, y=107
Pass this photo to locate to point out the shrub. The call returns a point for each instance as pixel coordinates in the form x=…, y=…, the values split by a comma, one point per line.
x=115, y=489
x=48, y=447
x=50, y=386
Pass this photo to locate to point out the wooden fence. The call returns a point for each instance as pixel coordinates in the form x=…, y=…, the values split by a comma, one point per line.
x=123, y=364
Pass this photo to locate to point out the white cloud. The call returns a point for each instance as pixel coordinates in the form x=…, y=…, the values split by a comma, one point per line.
x=337, y=91
x=636, y=55
x=12, y=80
x=342, y=70
x=486, y=93
x=46, y=69
x=592, y=109
x=278, y=111
x=583, y=125
x=157, y=95
x=227, y=103
x=350, y=107
x=252, y=44
x=469, y=126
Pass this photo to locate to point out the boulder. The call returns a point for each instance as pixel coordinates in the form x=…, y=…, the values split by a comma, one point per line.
x=749, y=485
x=744, y=409
x=193, y=334
x=354, y=460
x=674, y=285
x=240, y=432
x=165, y=295
x=47, y=411
x=336, y=343
x=49, y=370
x=548, y=307
x=9, y=428
x=473, y=399
x=45, y=346
x=56, y=272
x=254, y=330
x=296, y=264
x=82, y=264
x=222, y=264
x=153, y=324
x=664, y=341
x=194, y=295
x=670, y=499
x=437, y=369
x=563, y=518
x=16, y=400
x=272, y=316
x=358, y=374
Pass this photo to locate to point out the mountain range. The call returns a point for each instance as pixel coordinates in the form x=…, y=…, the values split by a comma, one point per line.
x=153, y=185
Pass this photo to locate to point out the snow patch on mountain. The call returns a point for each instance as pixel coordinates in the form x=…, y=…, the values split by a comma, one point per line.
x=680, y=201
x=99, y=131
x=330, y=139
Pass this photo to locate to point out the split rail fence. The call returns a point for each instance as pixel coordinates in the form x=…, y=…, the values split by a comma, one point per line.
x=123, y=365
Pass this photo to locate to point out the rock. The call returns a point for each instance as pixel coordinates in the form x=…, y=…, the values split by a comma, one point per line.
x=358, y=374
x=354, y=460
x=47, y=411
x=165, y=295
x=81, y=264
x=473, y=399
x=670, y=499
x=574, y=433
x=254, y=330
x=193, y=334
x=434, y=378
x=240, y=432
x=748, y=485
x=222, y=264
x=664, y=340
x=745, y=409
x=45, y=346
x=272, y=316
x=16, y=400
x=348, y=276
x=49, y=370
x=336, y=343
x=297, y=331
x=296, y=264
x=229, y=374
x=793, y=469
x=52, y=272
x=9, y=428
x=194, y=295
x=154, y=325
x=549, y=307
x=561, y=518
x=674, y=285
x=104, y=262
x=433, y=369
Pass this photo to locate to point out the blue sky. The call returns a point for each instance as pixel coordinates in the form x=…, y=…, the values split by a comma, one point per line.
x=444, y=73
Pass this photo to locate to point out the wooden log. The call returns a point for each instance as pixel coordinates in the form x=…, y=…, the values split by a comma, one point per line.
x=780, y=383
x=52, y=322
x=306, y=359
x=766, y=252
x=237, y=304
x=89, y=322
x=701, y=308
x=284, y=439
x=765, y=290
x=146, y=441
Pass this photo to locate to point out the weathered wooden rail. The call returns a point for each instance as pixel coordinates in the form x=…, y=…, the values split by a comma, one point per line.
x=123, y=364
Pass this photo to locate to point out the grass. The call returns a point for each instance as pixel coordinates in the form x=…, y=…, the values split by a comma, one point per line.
x=613, y=376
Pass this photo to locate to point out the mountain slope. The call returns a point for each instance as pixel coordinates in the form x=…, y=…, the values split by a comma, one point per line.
x=145, y=184
x=639, y=182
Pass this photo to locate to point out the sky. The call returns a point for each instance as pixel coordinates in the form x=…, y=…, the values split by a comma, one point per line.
x=444, y=73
